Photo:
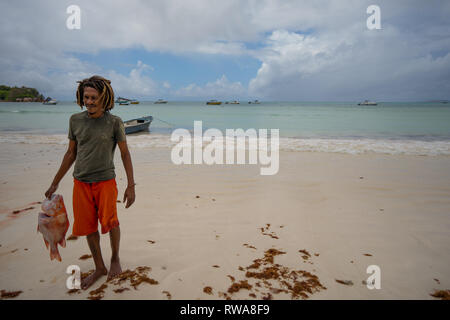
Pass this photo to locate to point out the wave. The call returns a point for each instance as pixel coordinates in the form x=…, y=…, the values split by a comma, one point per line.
x=349, y=146
x=363, y=146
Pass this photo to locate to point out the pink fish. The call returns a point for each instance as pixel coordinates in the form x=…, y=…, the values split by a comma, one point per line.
x=53, y=224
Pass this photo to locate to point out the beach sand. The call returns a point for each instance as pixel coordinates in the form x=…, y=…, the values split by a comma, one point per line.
x=200, y=227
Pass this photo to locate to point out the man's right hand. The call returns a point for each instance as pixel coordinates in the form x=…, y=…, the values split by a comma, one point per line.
x=51, y=190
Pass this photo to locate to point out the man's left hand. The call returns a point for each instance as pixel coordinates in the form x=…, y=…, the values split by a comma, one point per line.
x=129, y=196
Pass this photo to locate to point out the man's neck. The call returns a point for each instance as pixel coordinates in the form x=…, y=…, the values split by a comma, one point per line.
x=94, y=116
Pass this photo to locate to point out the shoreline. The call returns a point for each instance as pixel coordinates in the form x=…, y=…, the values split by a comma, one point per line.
x=395, y=208
x=161, y=138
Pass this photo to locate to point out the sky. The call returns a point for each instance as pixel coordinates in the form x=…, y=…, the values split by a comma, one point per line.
x=283, y=50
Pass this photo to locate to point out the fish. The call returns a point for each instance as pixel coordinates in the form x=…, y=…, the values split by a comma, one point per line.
x=53, y=224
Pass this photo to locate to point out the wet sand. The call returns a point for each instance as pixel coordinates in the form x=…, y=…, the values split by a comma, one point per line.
x=217, y=232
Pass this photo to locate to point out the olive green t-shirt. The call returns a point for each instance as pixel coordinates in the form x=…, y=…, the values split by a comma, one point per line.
x=96, y=141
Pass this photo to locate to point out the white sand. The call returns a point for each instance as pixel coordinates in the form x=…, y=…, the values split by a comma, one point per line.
x=399, y=213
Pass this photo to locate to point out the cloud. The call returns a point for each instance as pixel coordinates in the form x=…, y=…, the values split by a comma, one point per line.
x=308, y=50
x=136, y=84
x=399, y=62
x=222, y=88
x=349, y=64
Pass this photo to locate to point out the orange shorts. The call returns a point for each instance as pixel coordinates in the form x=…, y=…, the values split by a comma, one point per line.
x=93, y=202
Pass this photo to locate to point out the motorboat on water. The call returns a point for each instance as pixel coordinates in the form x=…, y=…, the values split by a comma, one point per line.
x=49, y=101
x=367, y=103
x=125, y=102
x=160, y=101
x=214, y=102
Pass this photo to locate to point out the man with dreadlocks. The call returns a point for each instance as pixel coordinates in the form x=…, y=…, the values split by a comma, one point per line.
x=93, y=136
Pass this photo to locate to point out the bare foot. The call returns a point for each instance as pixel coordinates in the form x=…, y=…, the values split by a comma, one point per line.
x=115, y=269
x=90, y=280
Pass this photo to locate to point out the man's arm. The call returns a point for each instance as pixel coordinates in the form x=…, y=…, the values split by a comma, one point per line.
x=129, y=194
x=68, y=160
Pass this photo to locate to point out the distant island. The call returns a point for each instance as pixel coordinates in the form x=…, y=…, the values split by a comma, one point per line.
x=23, y=94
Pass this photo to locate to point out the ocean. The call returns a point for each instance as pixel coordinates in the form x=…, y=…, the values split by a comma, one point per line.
x=412, y=128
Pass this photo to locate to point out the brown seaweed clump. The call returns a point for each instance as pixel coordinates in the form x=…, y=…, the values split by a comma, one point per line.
x=98, y=293
x=266, y=273
x=306, y=255
x=236, y=286
x=169, y=296
x=271, y=234
x=85, y=256
x=441, y=294
x=276, y=278
x=207, y=290
x=135, y=277
x=267, y=297
x=344, y=282
x=9, y=294
x=73, y=291
x=224, y=295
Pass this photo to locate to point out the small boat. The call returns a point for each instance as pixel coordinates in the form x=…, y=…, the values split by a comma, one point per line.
x=367, y=103
x=214, y=102
x=235, y=102
x=124, y=103
x=49, y=101
x=160, y=101
x=254, y=102
x=138, y=124
x=134, y=102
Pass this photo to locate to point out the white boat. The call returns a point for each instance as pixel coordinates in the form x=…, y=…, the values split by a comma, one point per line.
x=367, y=103
x=121, y=100
x=160, y=101
x=49, y=101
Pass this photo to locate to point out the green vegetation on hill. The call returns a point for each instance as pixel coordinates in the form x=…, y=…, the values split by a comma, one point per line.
x=15, y=93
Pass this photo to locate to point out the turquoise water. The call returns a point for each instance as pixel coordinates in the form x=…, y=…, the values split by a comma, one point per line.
x=310, y=123
x=422, y=121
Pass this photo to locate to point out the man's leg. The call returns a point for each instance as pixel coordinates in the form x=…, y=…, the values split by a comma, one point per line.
x=115, y=268
x=93, y=240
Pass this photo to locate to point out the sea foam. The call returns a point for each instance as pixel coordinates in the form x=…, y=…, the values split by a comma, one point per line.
x=349, y=146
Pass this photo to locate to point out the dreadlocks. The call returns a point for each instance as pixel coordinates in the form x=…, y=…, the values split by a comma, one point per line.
x=102, y=85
